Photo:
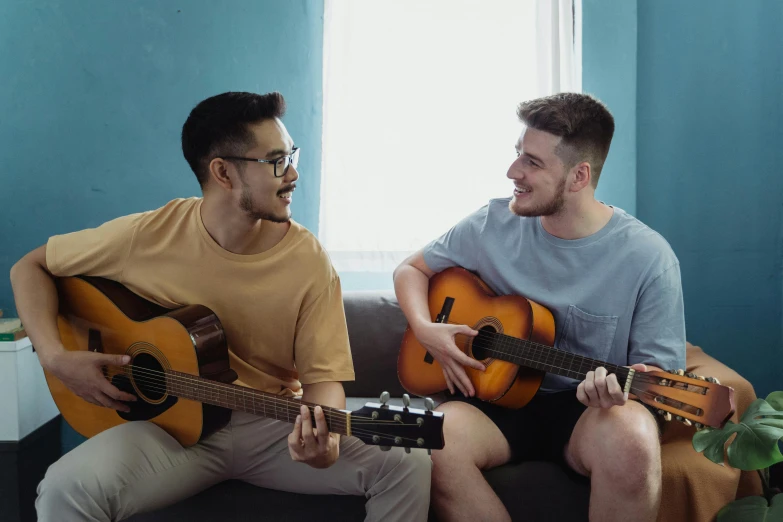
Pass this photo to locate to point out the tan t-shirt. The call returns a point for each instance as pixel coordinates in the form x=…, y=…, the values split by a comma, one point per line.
x=282, y=310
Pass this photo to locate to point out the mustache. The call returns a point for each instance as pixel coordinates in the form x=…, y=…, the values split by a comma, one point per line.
x=289, y=188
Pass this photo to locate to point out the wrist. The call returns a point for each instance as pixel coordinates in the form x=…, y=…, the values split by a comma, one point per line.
x=419, y=323
x=48, y=357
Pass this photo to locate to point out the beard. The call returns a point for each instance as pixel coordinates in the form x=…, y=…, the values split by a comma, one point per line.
x=546, y=208
x=247, y=204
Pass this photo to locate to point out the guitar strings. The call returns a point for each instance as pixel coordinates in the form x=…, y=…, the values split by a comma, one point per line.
x=334, y=422
x=505, y=342
x=280, y=405
x=337, y=419
x=639, y=377
x=510, y=342
x=249, y=395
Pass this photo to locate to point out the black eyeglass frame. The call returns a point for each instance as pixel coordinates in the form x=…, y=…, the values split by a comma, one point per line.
x=293, y=159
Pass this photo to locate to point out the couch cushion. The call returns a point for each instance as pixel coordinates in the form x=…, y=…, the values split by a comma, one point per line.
x=375, y=328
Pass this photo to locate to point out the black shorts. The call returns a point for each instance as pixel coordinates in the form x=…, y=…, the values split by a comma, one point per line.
x=538, y=431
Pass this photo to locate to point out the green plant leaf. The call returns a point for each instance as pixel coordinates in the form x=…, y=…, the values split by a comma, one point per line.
x=752, y=509
x=756, y=444
x=712, y=441
x=775, y=399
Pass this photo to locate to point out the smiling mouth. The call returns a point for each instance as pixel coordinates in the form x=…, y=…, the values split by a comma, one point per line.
x=286, y=194
x=519, y=191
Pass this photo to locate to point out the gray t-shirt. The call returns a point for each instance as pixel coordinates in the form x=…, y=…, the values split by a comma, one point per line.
x=616, y=295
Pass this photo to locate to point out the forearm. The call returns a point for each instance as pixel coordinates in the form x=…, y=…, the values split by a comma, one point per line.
x=328, y=393
x=412, y=287
x=36, y=301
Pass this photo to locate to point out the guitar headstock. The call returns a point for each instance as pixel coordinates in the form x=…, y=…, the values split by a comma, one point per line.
x=385, y=425
x=686, y=397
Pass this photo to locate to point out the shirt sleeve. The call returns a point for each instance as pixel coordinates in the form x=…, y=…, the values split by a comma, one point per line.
x=100, y=252
x=459, y=246
x=658, y=326
x=321, y=349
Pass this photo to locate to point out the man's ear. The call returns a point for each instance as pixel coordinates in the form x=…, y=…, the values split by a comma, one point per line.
x=583, y=175
x=218, y=171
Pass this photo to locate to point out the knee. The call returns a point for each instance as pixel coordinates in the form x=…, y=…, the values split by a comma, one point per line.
x=459, y=452
x=630, y=453
x=61, y=492
x=418, y=465
x=414, y=467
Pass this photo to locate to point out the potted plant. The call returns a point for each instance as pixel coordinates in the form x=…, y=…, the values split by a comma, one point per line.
x=755, y=448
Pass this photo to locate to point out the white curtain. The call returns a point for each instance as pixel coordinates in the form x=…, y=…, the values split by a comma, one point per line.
x=420, y=119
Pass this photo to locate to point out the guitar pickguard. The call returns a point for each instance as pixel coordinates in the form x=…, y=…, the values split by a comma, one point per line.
x=140, y=409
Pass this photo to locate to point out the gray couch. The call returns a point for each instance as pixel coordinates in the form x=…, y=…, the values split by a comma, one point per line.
x=531, y=491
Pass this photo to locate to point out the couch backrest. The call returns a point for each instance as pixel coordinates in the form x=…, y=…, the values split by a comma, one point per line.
x=375, y=328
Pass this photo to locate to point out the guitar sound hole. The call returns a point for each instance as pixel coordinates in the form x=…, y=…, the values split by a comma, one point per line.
x=482, y=343
x=149, y=377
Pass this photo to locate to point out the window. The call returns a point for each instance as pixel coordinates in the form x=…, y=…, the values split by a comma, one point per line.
x=420, y=113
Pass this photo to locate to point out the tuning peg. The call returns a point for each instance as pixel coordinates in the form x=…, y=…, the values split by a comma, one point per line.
x=713, y=380
x=407, y=449
x=701, y=377
x=687, y=422
x=406, y=400
x=384, y=399
x=667, y=416
x=398, y=440
x=429, y=451
x=698, y=425
x=385, y=448
x=680, y=372
x=429, y=404
x=691, y=375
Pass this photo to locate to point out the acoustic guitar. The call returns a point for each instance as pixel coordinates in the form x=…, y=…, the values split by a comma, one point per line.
x=515, y=344
x=179, y=372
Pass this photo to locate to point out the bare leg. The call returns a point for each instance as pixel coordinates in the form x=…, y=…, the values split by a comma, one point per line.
x=473, y=444
x=619, y=449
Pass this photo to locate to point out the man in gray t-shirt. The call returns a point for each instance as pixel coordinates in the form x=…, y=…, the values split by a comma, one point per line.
x=613, y=287
x=615, y=295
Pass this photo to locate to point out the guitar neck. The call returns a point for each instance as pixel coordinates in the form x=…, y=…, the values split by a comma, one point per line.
x=248, y=400
x=543, y=357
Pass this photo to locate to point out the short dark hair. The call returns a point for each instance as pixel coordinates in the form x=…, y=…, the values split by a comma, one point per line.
x=219, y=126
x=583, y=122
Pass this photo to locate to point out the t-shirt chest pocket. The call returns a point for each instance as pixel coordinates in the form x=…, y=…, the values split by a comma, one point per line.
x=587, y=334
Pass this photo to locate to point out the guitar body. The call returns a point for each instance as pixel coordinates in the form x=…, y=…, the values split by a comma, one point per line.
x=100, y=315
x=503, y=383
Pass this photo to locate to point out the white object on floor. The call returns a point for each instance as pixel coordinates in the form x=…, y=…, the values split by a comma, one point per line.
x=25, y=401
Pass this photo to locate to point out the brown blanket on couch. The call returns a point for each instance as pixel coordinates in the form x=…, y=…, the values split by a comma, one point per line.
x=694, y=488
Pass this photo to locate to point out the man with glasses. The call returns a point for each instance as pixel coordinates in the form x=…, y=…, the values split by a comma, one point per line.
x=237, y=251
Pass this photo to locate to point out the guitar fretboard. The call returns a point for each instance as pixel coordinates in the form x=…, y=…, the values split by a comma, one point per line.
x=257, y=402
x=542, y=357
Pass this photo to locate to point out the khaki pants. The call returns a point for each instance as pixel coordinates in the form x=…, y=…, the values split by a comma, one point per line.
x=138, y=467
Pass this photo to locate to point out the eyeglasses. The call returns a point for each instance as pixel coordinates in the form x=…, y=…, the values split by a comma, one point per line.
x=281, y=164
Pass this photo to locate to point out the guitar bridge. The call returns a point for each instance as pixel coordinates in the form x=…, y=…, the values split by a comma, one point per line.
x=442, y=317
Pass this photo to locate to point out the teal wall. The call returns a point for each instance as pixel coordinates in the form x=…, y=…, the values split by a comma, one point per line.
x=609, y=72
x=93, y=95
x=710, y=149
